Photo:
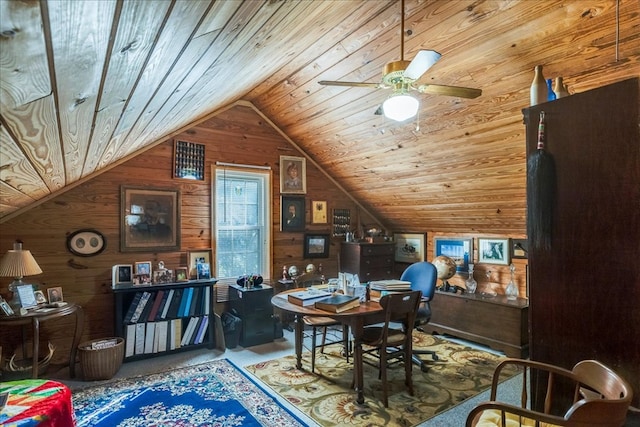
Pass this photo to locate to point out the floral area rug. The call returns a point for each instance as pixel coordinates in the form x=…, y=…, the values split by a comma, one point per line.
x=460, y=373
x=216, y=393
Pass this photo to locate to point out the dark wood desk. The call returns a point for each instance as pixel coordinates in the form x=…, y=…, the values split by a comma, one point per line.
x=365, y=314
x=34, y=317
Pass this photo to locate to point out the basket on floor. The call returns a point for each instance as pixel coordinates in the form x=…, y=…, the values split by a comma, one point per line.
x=101, y=363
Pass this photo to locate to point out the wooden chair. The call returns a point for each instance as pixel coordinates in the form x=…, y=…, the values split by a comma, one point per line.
x=599, y=398
x=319, y=322
x=397, y=307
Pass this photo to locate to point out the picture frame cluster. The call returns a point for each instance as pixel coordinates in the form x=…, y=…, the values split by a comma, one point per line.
x=143, y=273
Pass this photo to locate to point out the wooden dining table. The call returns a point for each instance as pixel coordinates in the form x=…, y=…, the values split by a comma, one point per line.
x=366, y=313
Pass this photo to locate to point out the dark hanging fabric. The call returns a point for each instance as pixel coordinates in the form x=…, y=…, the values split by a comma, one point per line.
x=541, y=189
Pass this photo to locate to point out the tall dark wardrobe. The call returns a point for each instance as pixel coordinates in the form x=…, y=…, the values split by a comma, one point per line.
x=584, y=293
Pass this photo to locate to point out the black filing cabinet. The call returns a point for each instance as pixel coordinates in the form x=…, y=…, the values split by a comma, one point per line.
x=253, y=306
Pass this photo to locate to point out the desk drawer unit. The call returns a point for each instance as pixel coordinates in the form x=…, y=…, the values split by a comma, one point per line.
x=370, y=261
x=254, y=307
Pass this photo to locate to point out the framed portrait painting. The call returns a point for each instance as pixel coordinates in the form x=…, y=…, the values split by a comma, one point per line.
x=149, y=219
x=293, y=175
x=409, y=247
x=293, y=213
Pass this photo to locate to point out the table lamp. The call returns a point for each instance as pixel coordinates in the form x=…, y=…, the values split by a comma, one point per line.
x=18, y=263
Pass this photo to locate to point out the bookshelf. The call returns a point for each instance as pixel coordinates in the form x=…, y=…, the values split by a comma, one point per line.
x=162, y=319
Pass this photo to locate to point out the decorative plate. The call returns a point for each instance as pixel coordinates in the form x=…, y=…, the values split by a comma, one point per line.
x=86, y=242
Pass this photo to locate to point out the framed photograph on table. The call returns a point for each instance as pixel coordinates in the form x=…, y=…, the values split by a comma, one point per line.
x=460, y=250
x=319, y=212
x=293, y=213
x=409, y=247
x=195, y=257
x=27, y=296
x=182, y=274
x=55, y=294
x=316, y=245
x=293, y=175
x=149, y=219
x=493, y=251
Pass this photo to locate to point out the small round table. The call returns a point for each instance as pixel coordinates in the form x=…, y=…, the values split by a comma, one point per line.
x=34, y=317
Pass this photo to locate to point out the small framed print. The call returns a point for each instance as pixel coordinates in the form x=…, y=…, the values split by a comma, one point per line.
x=27, y=296
x=410, y=247
x=161, y=277
x=195, y=257
x=493, y=251
x=316, y=246
x=86, y=242
x=182, y=274
x=55, y=294
x=459, y=250
x=143, y=268
x=519, y=249
x=204, y=271
x=5, y=308
x=121, y=274
x=319, y=212
x=40, y=298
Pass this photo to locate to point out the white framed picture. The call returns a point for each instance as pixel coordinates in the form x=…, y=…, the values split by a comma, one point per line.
x=493, y=251
x=409, y=247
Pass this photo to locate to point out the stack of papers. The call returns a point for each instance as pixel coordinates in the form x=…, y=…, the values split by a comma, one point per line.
x=390, y=285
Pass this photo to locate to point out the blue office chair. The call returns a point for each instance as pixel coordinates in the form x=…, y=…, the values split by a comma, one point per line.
x=423, y=277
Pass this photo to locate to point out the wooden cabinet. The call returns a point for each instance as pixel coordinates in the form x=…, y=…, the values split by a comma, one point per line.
x=495, y=321
x=584, y=292
x=253, y=306
x=160, y=319
x=370, y=261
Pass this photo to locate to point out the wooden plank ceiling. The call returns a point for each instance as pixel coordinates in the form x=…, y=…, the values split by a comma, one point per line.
x=87, y=84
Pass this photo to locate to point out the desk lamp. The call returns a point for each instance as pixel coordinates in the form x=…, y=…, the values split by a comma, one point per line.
x=18, y=263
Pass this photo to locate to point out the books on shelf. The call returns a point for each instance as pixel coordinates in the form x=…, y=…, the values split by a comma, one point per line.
x=307, y=297
x=390, y=285
x=338, y=303
x=141, y=304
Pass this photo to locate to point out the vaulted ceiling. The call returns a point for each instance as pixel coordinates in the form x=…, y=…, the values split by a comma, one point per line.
x=87, y=84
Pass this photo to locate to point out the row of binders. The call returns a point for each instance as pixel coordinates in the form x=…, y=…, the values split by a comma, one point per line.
x=165, y=335
x=153, y=306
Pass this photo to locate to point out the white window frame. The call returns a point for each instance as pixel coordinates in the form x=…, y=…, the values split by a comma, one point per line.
x=265, y=174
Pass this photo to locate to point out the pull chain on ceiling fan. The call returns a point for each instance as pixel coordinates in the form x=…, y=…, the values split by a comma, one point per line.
x=401, y=75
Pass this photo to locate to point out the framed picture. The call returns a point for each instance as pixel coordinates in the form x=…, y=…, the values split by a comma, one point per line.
x=160, y=277
x=121, y=274
x=188, y=159
x=319, y=212
x=409, y=247
x=293, y=175
x=197, y=256
x=316, y=245
x=182, y=274
x=460, y=250
x=27, y=296
x=55, y=294
x=493, y=251
x=86, y=242
x=203, y=271
x=40, y=298
x=6, y=308
x=143, y=268
x=293, y=211
x=519, y=248
x=149, y=219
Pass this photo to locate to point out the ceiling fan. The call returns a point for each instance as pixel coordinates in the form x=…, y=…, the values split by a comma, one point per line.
x=401, y=75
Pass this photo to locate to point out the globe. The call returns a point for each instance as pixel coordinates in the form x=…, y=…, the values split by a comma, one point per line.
x=293, y=271
x=446, y=268
x=310, y=268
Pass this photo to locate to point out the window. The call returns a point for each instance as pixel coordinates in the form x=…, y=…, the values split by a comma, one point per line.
x=242, y=212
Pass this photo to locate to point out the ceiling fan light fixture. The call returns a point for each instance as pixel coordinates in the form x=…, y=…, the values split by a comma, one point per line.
x=400, y=107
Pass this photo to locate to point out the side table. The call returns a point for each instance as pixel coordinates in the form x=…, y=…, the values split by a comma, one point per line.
x=34, y=317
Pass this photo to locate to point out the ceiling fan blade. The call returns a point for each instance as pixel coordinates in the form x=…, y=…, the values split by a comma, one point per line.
x=355, y=84
x=462, y=92
x=421, y=63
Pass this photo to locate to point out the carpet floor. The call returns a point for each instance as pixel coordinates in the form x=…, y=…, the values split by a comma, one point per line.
x=326, y=396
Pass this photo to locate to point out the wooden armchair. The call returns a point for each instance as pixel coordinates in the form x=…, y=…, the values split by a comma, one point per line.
x=600, y=398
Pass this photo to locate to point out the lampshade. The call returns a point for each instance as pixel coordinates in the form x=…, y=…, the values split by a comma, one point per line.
x=400, y=107
x=18, y=263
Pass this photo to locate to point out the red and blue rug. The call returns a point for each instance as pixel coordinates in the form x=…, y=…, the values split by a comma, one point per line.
x=216, y=393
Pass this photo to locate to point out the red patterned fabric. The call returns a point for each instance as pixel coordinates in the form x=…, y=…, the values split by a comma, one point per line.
x=40, y=403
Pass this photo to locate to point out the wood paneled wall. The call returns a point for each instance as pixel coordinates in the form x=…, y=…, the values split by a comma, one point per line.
x=238, y=135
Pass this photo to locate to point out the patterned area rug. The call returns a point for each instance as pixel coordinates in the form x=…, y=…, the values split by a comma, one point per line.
x=212, y=394
x=460, y=373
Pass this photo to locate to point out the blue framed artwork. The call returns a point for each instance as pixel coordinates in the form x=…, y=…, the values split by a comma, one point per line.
x=460, y=250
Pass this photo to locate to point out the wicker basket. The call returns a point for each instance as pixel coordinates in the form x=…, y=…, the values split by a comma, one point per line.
x=100, y=364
